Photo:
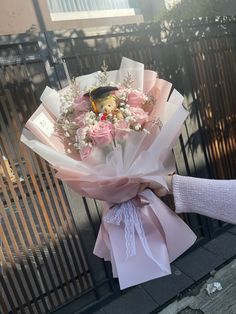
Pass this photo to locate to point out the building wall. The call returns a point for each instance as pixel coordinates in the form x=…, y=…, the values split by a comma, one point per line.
x=151, y=8
x=20, y=16
x=16, y=16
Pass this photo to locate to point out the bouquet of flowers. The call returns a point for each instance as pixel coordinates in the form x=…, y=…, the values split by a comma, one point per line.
x=106, y=134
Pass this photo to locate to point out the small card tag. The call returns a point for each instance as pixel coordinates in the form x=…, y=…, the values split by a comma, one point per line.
x=44, y=124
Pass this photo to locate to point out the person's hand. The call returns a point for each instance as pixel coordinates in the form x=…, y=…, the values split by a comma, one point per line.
x=157, y=188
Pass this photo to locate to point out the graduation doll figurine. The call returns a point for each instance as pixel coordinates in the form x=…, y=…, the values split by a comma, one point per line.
x=105, y=102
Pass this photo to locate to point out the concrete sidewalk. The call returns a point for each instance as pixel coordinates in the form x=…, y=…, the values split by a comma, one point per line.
x=183, y=292
x=198, y=300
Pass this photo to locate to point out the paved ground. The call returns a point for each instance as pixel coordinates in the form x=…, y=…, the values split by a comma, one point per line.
x=183, y=292
x=199, y=301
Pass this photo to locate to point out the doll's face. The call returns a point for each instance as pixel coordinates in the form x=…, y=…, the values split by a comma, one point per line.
x=106, y=104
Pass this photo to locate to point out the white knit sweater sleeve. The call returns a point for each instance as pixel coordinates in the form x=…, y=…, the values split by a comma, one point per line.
x=212, y=198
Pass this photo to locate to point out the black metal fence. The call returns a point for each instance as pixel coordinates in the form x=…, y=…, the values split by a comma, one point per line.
x=198, y=57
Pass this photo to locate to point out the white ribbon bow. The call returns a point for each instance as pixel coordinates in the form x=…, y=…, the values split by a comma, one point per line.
x=127, y=212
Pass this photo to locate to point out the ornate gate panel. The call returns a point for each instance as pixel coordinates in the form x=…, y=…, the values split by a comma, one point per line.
x=46, y=241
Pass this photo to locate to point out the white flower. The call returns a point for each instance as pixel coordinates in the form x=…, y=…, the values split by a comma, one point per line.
x=137, y=127
x=127, y=119
x=127, y=111
x=146, y=131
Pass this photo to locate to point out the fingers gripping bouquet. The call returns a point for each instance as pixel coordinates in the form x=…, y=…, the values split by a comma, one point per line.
x=107, y=134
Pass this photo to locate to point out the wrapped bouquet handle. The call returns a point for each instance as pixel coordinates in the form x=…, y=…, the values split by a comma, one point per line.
x=141, y=237
x=129, y=214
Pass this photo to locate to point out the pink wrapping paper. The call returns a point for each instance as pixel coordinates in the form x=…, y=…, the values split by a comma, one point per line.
x=167, y=235
x=155, y=236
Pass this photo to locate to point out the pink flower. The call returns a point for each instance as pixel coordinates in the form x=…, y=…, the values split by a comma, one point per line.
x=121, y=130
x=139, y=115
x=81, y=103
x=101, y=133
x=135, y=98
x=85, y=152
x=79, y=120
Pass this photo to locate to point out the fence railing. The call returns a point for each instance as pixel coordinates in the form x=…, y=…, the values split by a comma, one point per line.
x=47, y=231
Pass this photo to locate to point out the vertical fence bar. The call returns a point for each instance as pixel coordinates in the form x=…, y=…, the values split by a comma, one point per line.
x=42, y=205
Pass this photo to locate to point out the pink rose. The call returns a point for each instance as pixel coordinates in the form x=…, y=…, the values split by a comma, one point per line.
x=139, y=114
x=121, y=130
x=101, y=133
x=135, y=98
x=85, y=152
x=82, y=103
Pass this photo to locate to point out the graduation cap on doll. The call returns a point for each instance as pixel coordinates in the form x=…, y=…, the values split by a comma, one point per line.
x=98, y=93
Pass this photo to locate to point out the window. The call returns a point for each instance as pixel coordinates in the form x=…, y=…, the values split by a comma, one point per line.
x=87, y=5
x=62, y=10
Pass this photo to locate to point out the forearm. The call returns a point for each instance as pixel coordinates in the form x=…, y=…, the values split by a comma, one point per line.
x=213, y=198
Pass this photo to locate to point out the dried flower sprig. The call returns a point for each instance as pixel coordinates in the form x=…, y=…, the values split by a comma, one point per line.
x=103, y=75
x=128, y=80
